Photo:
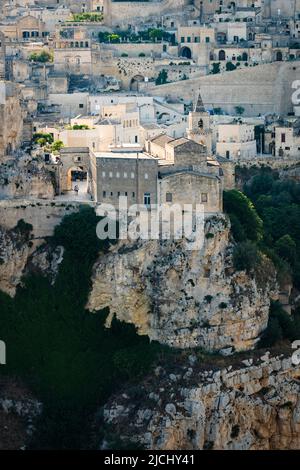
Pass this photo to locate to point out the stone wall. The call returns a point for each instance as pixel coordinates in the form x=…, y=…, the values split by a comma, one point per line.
x=263, y=89
x=42, y=215
x=129, y=13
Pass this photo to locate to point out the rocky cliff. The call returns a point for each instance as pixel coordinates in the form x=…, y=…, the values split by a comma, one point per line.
x=20, y=253
x=254, y=405
x=15, y=248
x=185, y=298
x=26, y=177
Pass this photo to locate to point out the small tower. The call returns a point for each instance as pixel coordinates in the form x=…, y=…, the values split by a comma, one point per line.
x=199, y=128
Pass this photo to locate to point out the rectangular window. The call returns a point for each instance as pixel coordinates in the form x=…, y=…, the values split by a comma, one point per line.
x=125, y=174
x=132, y=175
x=204, y=197
x=110, y=174
x=104, y=194
x=282, y=138
x=103, y=174
x=133, y=194
x=147, y=199
x=146, y=176
x=169, y=197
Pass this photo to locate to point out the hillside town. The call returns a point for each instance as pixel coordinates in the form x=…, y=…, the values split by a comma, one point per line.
x=87, y=89
x=165, y=103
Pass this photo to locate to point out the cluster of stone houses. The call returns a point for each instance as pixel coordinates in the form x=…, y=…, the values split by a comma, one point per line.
x=125, y=93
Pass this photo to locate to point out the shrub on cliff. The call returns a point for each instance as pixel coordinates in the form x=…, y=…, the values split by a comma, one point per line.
x=280, y=326
x=246, y=224
x=245, y=256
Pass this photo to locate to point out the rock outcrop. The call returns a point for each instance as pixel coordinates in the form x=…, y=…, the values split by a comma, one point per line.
x=15, y=248
x=255, y=406
x=185, y=298
x=19, y=410
x=20, y=253
x=26, y=177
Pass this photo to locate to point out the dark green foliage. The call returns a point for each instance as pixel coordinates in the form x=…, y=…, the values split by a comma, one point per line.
x=278, y=205
x=23, y=228
x=280, y=326
x=230, y=66
x=65, y=353
x=245, y=256
x=216, y=68
x=223, y=305
x=244, y=219
x=162, y=77
x=286, y=248
x=47, y=138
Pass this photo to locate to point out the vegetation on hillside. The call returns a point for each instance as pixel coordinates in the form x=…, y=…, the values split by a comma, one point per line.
x=265, y=223
x=87, y=17
x=42, y=57
x=65, y=353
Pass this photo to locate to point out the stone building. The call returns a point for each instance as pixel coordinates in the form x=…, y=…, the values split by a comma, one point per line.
x=195, y=42
x=72, y=50
x=72, y=160
x=199, y=128
x=2, y=56
x=11, y=119
x=236, y=141
x=287, y=140
x=130, y=174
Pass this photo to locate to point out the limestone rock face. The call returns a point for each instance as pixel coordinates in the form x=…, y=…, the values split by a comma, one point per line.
x=20, y=254
x=14, y=253
x=181, y=297
x=46, y=261
x=250, y=408
x=26, y=177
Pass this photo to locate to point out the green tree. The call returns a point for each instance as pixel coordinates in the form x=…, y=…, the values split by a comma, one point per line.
x=286, y=248
x=57, y=145
x=230, y=66
x=156, y=34
x=239, y=110
x=216, y=67
x=241, y=209
x=245, y=256
x=162, y=77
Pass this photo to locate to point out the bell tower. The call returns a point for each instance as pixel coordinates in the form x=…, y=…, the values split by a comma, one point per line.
x=199, y=128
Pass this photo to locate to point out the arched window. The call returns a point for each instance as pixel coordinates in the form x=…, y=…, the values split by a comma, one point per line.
x=222, y=55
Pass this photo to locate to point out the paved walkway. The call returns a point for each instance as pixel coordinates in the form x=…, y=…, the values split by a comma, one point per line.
x=72, y=196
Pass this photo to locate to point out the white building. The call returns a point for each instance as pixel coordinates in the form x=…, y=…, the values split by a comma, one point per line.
x=236, y=141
